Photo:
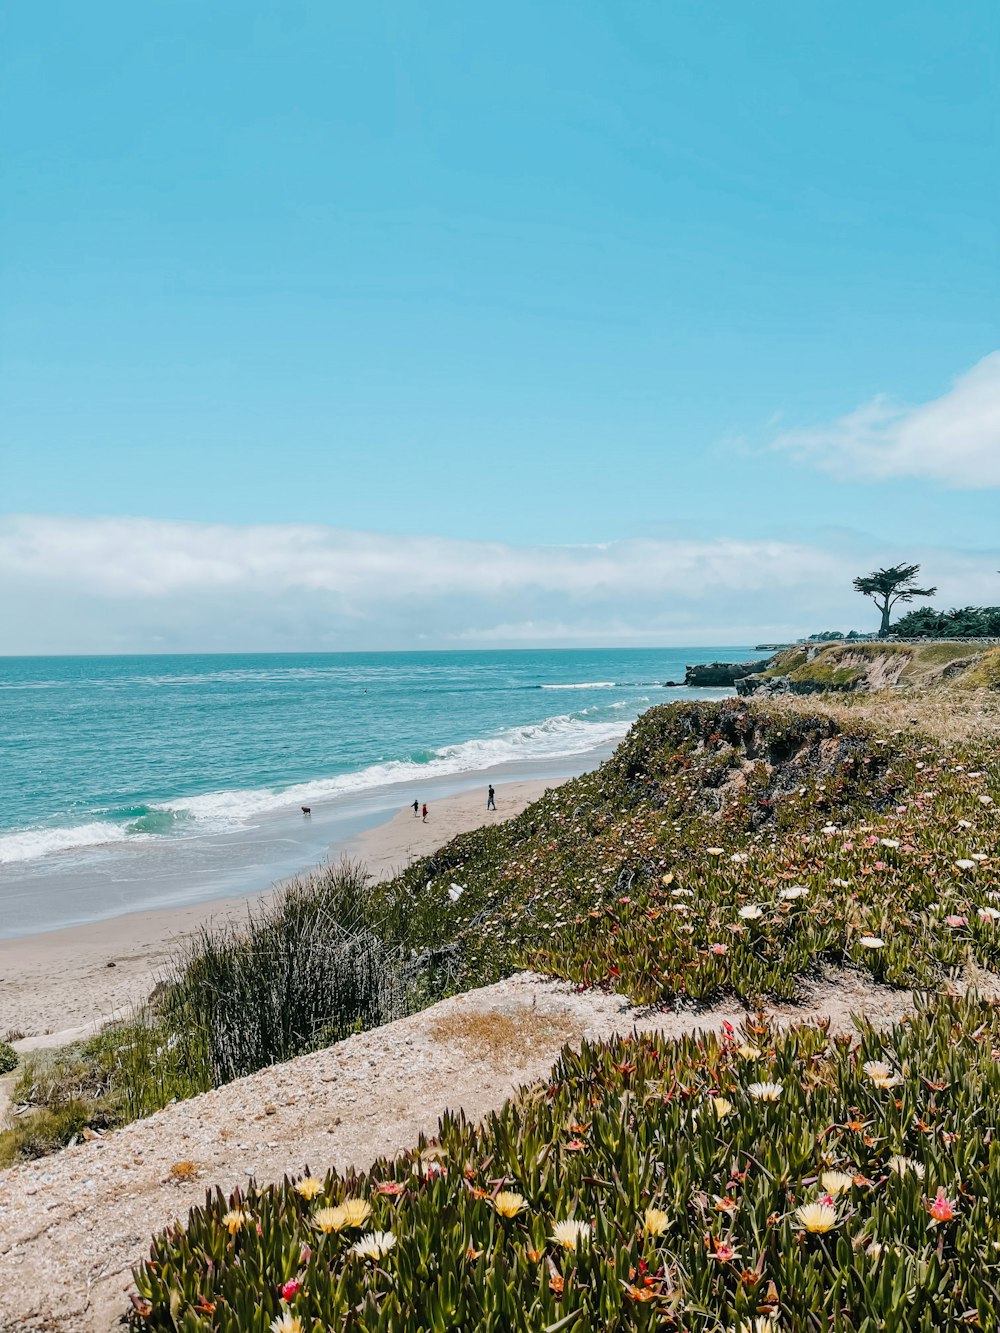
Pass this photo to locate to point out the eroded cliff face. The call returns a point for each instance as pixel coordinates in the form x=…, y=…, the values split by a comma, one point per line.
x=814, y=668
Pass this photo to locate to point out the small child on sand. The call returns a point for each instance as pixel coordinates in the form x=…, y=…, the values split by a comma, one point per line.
x=425, y=813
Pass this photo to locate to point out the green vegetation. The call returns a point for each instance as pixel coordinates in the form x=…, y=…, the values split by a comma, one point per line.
x=703, y=1184
x=726, y=849
x=8, y=1058
x=984, y=673
x=64, y=1092
x=967, y=622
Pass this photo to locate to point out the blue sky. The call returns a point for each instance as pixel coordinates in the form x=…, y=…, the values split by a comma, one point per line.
x=543, y=274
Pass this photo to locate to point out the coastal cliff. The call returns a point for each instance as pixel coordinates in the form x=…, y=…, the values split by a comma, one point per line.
x=845, y=667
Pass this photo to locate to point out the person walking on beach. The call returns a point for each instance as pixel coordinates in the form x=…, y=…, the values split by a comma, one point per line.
x=416, y=809
x=490, y=803
x=424, y=820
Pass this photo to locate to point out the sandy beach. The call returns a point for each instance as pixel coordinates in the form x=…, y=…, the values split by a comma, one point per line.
x=57, y=986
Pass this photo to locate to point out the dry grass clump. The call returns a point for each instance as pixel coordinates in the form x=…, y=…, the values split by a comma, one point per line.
x=500, y=1039
x=952, y=716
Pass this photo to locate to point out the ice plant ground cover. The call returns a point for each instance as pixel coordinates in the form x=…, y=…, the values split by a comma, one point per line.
x=725, y=848
x=653, y=1189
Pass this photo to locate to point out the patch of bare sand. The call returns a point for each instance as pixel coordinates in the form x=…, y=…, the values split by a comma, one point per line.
x=73, y=1225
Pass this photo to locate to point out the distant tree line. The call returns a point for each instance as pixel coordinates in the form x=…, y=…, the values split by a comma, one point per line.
x=966, y=622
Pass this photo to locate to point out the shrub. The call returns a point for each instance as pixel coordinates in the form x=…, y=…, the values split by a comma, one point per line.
x=8, y=1058
x=708, y=1183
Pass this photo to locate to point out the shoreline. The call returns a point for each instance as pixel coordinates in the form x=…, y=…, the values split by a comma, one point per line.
x=58, y=986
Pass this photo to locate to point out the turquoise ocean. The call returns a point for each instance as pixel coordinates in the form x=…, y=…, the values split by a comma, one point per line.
x=138, y=782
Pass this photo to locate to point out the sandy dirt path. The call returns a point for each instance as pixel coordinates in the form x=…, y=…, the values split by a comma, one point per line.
x=72, y=1225
x=57, y=986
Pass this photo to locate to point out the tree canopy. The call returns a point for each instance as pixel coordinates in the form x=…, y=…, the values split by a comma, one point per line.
x=888, y=586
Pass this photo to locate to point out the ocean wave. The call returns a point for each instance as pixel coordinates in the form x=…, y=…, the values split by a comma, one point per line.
x=554, y=738
x=218, y=811
x=31, y=844
x=584, y=685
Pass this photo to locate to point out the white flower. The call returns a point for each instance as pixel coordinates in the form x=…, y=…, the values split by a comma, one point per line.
x=374, y=1245
x=881, y=1074
x=817, y=1217
x=988, y=914
x=980, y=856
x=739, y=857
x=286, y=1323
x=899, y=1165
x=986, y=800
x=872, y=942
x=714, y=851
x=965, y=865
x=455, y=891
x=765, y=1092
x=751, y=912
x=889, y=842
x=841, y=883
x=828, y=829
x=796, y=891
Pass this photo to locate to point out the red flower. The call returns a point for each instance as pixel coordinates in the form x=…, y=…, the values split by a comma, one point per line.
x=291, y=1289
x=941, y=1208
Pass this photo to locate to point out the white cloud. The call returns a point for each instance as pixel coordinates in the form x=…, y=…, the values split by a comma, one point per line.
x=954, y=439
x=143, y=585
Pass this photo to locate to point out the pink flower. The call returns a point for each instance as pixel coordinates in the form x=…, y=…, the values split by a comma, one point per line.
x=955, y=921
x=291, y=1289
x=880, y=865
x=718, y=948
x=941, y=1208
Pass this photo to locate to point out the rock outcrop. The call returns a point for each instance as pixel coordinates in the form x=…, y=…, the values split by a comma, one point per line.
x=722, y=673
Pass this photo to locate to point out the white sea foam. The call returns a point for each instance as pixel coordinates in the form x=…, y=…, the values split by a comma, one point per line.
x=30, y=844
x=551, y=739
x=220, y=810
x=585, y=685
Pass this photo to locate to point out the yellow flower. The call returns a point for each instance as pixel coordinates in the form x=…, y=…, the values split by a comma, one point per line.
x=234, y=1220
x=308, y=1187
x=374, y=1245
x=571, y=1234
x=509, y=1204
x=759, y=1325
x=355, y=1212
x=721, y=1106
x=748, y=1052
x=817, y=1217
x=656, y=1222
x=836, y=1182
x=327, y=1220
x=286, y=1323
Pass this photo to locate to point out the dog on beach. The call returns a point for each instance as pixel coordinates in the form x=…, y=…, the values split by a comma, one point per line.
x=307, y=809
